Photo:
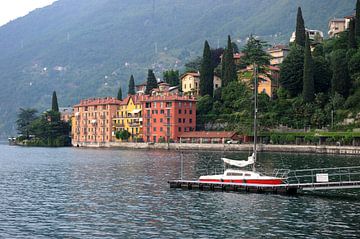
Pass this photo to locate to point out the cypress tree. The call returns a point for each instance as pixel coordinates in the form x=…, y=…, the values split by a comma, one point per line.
x=131, y=90
x=206, y=72
x=357, y=19
x=151, y=82
x=300, y=29
x=292, y=69
x=228, y=73
x=54, y=105
x=351, y=35
x=340, y=82
x=308, y=75
x=119, y=94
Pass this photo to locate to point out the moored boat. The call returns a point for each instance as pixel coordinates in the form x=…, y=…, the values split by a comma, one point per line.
x=245, y=176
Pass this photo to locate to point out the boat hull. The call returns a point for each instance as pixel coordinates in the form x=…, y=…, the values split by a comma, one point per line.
x=275, y=181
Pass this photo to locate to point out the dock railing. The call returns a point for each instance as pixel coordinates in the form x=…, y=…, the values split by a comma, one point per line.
x=324, y=175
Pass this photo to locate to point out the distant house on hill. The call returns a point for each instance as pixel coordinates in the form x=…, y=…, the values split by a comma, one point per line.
x=141, y=88
x=267, y=83
x=315, y=36
x=190, y=83
x=338, y=25
x=278, y=53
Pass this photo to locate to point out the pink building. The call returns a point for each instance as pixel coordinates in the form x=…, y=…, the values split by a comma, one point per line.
x=92, y=121
x=167, y=115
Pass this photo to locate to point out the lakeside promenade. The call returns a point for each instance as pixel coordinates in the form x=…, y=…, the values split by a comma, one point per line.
x=317, y=149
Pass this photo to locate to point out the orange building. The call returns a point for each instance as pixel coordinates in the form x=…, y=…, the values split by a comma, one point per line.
x=167, y=115
x=92, y=122
x=267, y=83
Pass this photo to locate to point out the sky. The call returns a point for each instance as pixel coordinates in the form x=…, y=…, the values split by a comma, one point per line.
x=12, y=9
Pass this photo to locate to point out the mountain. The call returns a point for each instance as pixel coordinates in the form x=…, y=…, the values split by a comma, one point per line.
x=88, y=48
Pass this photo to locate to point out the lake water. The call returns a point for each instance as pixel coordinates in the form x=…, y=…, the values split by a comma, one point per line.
x=113, y=193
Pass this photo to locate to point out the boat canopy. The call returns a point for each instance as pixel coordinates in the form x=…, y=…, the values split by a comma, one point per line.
x=240, y=163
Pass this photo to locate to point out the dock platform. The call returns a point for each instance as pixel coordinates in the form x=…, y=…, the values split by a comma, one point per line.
x=297, y=181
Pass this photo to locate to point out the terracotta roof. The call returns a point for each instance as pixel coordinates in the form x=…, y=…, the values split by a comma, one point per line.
x=99, y=101
x=279, y=47
x=194, y=74
x=274, y=68
x=142, y=84
x=238, y=55
x=171, y=97
x=208, y=134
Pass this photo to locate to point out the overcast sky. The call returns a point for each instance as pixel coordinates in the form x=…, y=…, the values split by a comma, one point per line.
x=12, y=9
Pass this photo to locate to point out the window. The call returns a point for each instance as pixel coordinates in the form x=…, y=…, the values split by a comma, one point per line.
x=247, y=175
x=161, y=105
x=154, y=104
x=154, y=120
x=184, y=111
x=154, y=129
x=179, y=111
x=190, y=121
x=161, y=120
x=179, y=104
x=154, y=138
x=190, y=112
x=190, y=104
x=179, y=129
x=183, y=120
x=161, y=129
x=161, y=111
x=179, y=120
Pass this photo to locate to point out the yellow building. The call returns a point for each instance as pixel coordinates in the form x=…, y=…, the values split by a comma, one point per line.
x=129, y=117
x=190, y=83
x=278, y=54
x=267, y=83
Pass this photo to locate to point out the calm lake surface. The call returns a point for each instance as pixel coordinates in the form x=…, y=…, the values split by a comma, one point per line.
x=113, y=193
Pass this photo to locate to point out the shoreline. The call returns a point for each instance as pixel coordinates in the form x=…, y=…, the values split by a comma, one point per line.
x=316, y=149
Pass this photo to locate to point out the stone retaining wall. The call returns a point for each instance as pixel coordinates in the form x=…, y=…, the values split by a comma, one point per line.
x=320, y=149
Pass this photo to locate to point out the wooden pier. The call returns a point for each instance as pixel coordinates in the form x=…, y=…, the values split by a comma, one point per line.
x=297, y=181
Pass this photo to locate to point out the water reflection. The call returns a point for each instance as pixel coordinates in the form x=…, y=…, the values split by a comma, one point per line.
x=97, y=193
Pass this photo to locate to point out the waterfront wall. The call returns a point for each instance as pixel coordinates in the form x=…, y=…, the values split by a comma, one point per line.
x=319, y=149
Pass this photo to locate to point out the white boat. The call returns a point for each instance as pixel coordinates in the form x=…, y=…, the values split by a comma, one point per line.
x=244, y=176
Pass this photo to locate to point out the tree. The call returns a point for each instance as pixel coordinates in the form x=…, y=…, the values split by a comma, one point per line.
x=216, y=56
x=151, y=82
x=351, y=35
x=357, y=19
x=24, y=121
x=206, y=72
x=119, y=94
x=193, y=65
x=308, y=75
x=131, y=90
x=254, y=53
x=55, y=106
x=204, y=105
x=171, y=77
x=300, y=29
x=322, y=74
x=291, y=71
x=340, y=81
x=228, y=73
x=123, y=135
x=235, y=47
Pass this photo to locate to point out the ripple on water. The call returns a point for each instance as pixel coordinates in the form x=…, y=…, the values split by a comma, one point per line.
x=87, y=193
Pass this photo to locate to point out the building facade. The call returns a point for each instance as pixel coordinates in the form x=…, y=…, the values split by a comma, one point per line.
x=278, y=54
x=167, y=116
x=267, y=83
x=190, y=83
x=92, y=121
x=129, y=117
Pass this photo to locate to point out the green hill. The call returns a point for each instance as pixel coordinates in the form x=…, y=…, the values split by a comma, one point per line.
x=87, y=48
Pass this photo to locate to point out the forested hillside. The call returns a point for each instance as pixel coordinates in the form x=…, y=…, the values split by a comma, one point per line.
x=87, y=48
